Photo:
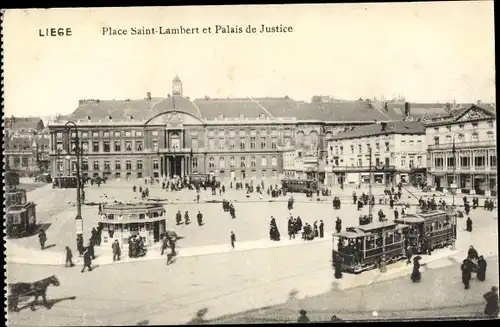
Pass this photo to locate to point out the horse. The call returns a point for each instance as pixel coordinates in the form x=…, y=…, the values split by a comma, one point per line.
x=35, y=289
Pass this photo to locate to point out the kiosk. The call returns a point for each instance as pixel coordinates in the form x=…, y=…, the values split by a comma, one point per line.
x=120, y=221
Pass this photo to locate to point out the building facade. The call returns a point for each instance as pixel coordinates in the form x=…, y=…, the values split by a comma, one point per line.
x=227, y=137
x=462, y=151
x=26, y=145
x=398, y=154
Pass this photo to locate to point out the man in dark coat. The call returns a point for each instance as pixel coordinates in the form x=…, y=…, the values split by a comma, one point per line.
x=466, y=273
x=93, y=237
x=79, y=244
x=291, y=228
x=338, y=267
x=321, y=229
x=42, y=238
x=481, y=271
x=233, y=239
x=472, y=253
x=178, y=217
x=338, y=225
x=298, y=225
x=354, y=197
x=396, y=214
x=116, y=250
x=199, y=217
x=491, y=309
x=87, y=261
x=90, y=249
x=469, y=224
x=467, y=208
x=69, y=257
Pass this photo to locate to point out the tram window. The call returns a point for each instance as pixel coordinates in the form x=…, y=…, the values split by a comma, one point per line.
x=397, y=236
x=125, y=227
x=370, y=243
x=134, y=227
x=389, y=238
x=378, y=242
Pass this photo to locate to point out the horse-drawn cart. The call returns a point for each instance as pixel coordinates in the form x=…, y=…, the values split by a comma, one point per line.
x=23, y=291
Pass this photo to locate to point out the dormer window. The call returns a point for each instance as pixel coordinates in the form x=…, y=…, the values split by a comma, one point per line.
x=242, y=116
x=262, y=116
x=221, y=116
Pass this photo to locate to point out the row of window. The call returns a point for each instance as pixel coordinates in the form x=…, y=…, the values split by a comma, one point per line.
x=96, y=165
x=85, y=134
x=106, y=146
x=461, y=138
x=339, y=149
x=243, y=145
x=243, y=162
x=479, y=161
x=462, y=127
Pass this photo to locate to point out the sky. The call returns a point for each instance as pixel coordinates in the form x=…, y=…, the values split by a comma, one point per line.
x=428, y=52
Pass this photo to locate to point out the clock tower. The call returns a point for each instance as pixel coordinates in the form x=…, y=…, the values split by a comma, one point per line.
x=177, y=86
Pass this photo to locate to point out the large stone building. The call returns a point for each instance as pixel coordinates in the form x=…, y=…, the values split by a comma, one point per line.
x=26, y=145
x=226, y=137
x=398, y=154
x=462, y=150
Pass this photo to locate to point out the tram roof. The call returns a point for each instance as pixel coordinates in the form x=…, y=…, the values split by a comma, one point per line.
x=132, y=207
x=376, y=225
x=346, y=234
x=410, y=220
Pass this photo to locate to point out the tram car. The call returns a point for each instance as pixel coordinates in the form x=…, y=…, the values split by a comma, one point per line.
x=300, y=185
x=65, y=182
x=21, y=220
x=14, y=196
x=199, y=179
x=361, y=248
x=439, y=227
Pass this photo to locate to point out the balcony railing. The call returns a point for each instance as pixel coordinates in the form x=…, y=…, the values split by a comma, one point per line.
x=463, y=145
x=174, y=150
x=465, y=168
x=364, y=168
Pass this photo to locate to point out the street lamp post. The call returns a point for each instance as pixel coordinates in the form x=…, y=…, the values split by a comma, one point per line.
x=454, y=184
x=78, y=219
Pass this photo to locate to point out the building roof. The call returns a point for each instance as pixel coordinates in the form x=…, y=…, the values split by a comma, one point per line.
x=455, y=115
x=24, y=123
x=397, y=127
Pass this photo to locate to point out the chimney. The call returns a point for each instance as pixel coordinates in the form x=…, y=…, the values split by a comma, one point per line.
x=148, y=96
x=454, y=104
x=384, y=126
x=386, y=106
x=407, y=109
x=478, y=102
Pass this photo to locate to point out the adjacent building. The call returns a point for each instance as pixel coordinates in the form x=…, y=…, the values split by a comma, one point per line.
x=26, y=145
x=462, y=151
x=391, y=152
x=228, y=138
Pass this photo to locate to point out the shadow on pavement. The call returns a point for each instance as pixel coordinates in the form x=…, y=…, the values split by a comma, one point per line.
x=50, y=303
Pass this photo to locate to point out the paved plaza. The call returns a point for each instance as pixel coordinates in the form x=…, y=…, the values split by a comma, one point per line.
x=209, y=274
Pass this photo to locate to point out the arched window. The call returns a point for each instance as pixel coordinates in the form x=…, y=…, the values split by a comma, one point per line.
x=211, y=163
x=222, y=163
x=253, y=162
x=300, y=137
x=242, y=162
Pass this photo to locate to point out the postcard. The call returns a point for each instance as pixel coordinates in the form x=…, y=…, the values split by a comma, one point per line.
x=250, y=164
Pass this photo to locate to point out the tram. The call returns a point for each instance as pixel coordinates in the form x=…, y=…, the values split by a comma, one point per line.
x=199, y=179
x=438, y=227
x=300, y=185
x=361, y=248
x=21, y=220
x=65, y=182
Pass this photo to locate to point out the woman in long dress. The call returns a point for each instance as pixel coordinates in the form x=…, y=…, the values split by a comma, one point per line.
x=416, y=275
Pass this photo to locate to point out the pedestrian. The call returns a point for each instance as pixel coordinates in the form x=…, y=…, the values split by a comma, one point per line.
x=42, y=238
x=338, y=225
x=87, y=261
x=116, y=250
x=491, y=297
x=416, y=276
x=199, y=217
x=396, y=214
x=466, y=273
x=291, y=228
x=79, y=244
x=321, y=229
x=303, y=317
x=469, y=224
x=472, y=253
x=315, y=228
x=481, y=271
x=69, y=257
x=233, y=239
x=90, y=249
x=93, y=237
x=409, y=254
x=338, y=267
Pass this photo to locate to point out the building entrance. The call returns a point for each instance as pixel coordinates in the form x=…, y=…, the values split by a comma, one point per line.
x=175, y=166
